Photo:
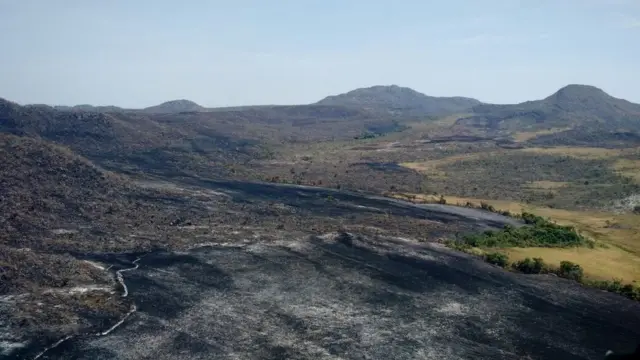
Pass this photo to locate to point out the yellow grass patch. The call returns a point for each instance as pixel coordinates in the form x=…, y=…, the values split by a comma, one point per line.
x=619, y=235
x=528, y=135
x=599, y=263
x=578, y=152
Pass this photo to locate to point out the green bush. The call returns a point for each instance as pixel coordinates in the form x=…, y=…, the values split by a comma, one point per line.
x=497, y=258
x=570, y=270
x=537, y=233
x=530, y=266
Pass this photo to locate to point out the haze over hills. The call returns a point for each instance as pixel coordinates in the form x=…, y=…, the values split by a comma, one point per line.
x=401, y=101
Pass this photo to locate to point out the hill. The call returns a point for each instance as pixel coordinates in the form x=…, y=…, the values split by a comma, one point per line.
x=400, y=101
x=174, y=106
x=44, y=186
x=571, y=106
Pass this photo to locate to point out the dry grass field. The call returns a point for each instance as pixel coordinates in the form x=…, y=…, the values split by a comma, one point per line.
x=617, y=257
x=524, y=136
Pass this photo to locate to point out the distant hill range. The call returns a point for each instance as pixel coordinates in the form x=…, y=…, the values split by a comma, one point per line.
x=169, y=107
x=400, y=101
x=174, y=106
x=573, y=105
x=574, y=112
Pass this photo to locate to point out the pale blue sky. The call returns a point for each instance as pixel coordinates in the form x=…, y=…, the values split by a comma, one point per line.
x=136, y=53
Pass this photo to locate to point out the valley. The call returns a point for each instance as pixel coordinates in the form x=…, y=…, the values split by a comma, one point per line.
x=319, y=230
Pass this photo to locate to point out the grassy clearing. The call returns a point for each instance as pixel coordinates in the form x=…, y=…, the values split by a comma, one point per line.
x=589, y=153
x=585, y=153
x=618, y=257
x=528, y=135
x=546, y=185
x=629, y=168
x=430, y=167
x=446, y=121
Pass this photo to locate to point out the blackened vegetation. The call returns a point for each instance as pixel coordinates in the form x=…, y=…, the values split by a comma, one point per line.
x=355, y=297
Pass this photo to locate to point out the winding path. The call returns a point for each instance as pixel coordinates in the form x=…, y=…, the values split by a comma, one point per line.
x=125, y=293
x=120, y=278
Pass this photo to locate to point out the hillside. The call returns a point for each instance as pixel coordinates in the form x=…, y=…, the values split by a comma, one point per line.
x=400, y=101
x=187, y=143
x=571, y=106
x=134, y=142
x=174, y=106
x=45, y=186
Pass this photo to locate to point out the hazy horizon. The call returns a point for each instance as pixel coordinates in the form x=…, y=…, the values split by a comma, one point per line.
x=217, y=54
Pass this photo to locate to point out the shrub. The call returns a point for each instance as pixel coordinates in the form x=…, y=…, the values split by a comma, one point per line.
x=442, y=200
x=636, y=209
x=530, y=266
x=570, y=270
x=485, y=206
x=497, y=258
x=630, y=291
x=531, y=219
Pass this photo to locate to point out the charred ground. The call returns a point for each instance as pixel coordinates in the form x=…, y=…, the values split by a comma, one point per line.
x=87, y=188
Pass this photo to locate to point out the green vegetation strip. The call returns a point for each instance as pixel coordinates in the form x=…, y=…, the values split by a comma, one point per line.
x=539, y=232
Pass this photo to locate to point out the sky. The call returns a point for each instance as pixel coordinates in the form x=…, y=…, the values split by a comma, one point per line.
x=138, y=53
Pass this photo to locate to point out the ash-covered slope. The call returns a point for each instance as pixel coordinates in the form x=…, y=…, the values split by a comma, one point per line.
x=342, y=296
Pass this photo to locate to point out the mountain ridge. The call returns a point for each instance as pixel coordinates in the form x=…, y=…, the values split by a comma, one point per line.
x=400, y=100
x=570, y=106
x=175, y=106
x=372, y=96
